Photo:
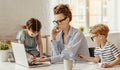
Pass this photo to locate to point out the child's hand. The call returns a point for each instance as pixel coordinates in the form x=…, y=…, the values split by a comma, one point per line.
x=105, y=65
x=31, y=59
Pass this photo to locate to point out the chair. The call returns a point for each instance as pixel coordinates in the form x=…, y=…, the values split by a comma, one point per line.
x=91, y=51
x=46, y=39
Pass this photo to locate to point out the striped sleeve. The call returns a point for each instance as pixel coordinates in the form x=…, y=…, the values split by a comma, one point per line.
x=96, y=51
x=115, y=50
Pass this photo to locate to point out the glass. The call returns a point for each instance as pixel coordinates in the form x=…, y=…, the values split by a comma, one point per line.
x=69, y=64
x=93, y=37
x=58, y=22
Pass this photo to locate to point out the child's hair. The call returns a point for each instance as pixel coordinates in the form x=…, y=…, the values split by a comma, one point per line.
x=99, y=29
x=33, y=24
x=63, y=9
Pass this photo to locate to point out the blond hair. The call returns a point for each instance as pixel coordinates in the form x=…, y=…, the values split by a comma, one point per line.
x=101, y=29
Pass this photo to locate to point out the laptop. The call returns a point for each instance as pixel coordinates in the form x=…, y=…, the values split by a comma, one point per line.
x=21, y=58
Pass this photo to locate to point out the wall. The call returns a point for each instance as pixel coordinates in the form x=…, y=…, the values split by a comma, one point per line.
x=14, y=14
x=112, y=37
x=118, y=13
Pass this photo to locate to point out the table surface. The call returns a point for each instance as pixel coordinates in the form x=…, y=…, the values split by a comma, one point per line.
x=57, y=66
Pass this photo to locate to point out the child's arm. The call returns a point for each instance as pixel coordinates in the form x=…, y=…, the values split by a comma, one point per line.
x=40, y=46
x=91, y=59
x=115, y=62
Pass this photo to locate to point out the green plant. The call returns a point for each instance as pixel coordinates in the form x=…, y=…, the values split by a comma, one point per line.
x=81, y=28
x=4, y=46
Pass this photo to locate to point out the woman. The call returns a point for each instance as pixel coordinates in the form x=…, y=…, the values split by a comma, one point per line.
x=67, y=41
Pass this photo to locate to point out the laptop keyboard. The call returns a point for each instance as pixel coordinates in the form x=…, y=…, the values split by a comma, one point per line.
x=35, y=64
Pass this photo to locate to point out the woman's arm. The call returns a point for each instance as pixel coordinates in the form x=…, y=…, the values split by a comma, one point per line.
x=91, y=59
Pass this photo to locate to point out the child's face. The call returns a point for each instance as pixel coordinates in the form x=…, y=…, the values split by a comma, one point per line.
x=98, y=39
x=32, y=34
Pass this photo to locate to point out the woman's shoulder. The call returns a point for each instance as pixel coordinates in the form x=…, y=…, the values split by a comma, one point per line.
x=76, y=31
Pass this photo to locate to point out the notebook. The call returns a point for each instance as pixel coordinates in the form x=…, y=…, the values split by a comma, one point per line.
x=21, y=58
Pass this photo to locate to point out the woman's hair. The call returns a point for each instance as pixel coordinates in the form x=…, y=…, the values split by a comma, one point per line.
x=99, y=29
x=33, y=24
x=63, y=9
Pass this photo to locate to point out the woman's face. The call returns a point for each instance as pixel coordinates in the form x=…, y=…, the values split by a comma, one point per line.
x=61, y=21
x=32, y=34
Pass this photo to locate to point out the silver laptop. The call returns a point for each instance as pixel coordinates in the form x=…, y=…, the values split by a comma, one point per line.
x=21, y=58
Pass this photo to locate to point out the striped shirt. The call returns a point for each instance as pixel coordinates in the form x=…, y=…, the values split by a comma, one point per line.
x=108, y=53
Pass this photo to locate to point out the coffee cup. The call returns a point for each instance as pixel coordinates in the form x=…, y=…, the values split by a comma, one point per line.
x=68, y=64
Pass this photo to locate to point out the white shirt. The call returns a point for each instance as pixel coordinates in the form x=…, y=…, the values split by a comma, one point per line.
x=108, y=53
x=76, y=43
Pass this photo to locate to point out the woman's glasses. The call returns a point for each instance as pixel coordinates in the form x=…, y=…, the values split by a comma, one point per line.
x=58, y=22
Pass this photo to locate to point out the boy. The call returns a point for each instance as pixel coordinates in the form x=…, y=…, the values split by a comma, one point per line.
x=106, y=52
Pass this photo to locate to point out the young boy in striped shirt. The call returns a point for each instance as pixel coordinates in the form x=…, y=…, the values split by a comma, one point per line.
x=105, y=52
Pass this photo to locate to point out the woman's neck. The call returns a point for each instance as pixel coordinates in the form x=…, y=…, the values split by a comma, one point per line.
x=65, y=33
x=66, y=30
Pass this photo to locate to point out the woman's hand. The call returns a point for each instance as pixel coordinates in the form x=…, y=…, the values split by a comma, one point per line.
x=42, y=56
x=55, y=31
x=43, y=59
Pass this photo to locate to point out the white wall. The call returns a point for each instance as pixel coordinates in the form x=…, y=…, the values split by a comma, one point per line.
x=14, y=13
x=112, y=37
x=118, y=13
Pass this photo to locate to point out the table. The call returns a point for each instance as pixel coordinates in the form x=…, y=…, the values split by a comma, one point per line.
x=57, y=66
x=93, y=66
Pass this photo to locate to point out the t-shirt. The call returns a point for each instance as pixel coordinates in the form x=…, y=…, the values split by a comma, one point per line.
x=30, y=43
x=108, y=53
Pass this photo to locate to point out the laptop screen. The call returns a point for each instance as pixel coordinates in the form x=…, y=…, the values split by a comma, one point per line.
x=21, y=58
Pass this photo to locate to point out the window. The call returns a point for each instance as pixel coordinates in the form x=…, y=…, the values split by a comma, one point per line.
x=87, y=13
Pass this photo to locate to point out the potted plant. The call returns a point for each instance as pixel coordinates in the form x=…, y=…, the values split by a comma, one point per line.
x=81, y=28
x=4, y=49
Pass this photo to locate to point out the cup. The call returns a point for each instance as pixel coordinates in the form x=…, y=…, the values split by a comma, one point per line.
x=99, y=65
x=68, y=64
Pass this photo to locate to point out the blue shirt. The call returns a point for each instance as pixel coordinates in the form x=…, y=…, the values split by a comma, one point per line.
x=76, y=43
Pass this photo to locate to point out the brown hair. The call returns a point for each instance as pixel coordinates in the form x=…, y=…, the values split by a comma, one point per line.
x=33, y=24
x=63, y=9
x=99, y=29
